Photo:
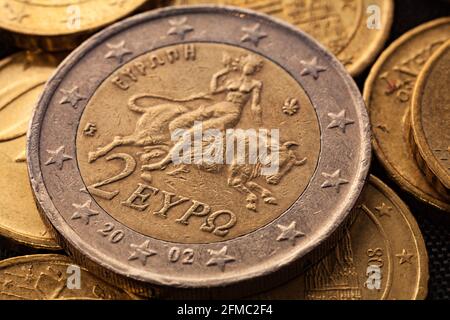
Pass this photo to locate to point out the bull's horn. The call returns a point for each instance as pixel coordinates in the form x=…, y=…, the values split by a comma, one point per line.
x=290, y=144
x=300, y=162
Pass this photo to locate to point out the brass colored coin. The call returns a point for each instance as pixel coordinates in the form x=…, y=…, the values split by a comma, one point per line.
x=22, y=79
x=52, y=277
x=431, y=119
x=101, y=150
x=388, y=94
x=382, y=256
x=353, y=30
x=60, y=25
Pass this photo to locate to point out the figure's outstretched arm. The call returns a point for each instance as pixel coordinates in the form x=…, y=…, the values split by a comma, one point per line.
x=215, y=87
x=256, y=100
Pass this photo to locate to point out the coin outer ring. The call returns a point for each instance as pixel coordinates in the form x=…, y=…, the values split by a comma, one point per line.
x=131, y=277
x=368, y=87
x=437, y=177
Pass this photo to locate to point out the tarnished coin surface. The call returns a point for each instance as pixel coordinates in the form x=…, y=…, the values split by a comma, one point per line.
x=52, y=277
x=354, y=30
x=22, y=79
x=431, y=119
x=388, y=93
x=382, y=256
x=60, y=25
x=104, y=144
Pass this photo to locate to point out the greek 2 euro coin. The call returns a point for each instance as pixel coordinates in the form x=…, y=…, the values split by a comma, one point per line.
x=142, y=149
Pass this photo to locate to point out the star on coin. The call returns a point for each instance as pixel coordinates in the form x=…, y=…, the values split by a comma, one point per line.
x=404, y=257
x=84, y=212
x=339, y=121
x=289, y=233
x=334, y=180
x=58, y=157
x=383, y=210
x=219, y=258
x=72, y=97
x=179, y=27
x=118, y=51
x=253, y=34
x=312, y=68
x=141, y=252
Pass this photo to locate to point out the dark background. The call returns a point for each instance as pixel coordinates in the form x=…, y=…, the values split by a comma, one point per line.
x=434, y=224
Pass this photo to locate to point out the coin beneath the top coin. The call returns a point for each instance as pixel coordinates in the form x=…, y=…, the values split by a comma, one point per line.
x=431, y=119
x=353, y=30
x=60, y=25
x=105, y=143
x=22, y=79
x=52, y=277
x=388, y=93
x=382, y=256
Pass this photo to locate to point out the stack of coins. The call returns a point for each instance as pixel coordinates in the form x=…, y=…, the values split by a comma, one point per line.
x=218, y=150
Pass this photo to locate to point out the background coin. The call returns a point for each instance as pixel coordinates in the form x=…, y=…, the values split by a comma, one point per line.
x=59, y=25
x=52, y=277
x=355, y=31
x=431, y=119
x=103, y=177
x=388, y=93
x=22, y=79
x=382, y=256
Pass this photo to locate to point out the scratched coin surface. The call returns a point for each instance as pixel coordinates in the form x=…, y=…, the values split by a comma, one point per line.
x=353, y=30
x=52, y=277
x=381, y=257
x=22, y=79
x=102, y=147
x=60, y=24
x=388, y=93
x=431, y=119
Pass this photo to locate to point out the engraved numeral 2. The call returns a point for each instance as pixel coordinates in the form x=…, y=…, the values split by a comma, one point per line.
x=187, y=256
x=114, y=236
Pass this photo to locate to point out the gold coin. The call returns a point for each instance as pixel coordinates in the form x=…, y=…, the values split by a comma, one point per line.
x=59, y=25
x=22, y=78
x=388, y=94
x=431, y=119
x=381, y=256
x=52, y=277
x=354, y=30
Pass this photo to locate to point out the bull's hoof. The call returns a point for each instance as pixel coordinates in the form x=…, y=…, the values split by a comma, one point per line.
x=251, y=206
x=147, y=177
x=271, y=200
x=152, y=167
x=273, y=179
x=92, y=156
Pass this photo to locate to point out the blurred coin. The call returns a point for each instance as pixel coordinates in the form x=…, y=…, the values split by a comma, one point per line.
x=60, y=25
x=354, y=30
x=431, y=119
x=388, y=93
x=52, y=277
x=382, y=256
x=103, y=149
x=22, y=79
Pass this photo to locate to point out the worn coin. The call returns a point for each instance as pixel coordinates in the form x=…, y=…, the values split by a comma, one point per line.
x=22, y=79
x=353, y=30
x=102, y=155
x=59, y=25
x=382, y=256
x=52, y=277
x=388, y=94
x=431, y=119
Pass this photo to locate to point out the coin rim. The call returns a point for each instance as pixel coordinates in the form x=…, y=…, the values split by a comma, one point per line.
x=75, y=242
x=369, y=84
x=416, y=120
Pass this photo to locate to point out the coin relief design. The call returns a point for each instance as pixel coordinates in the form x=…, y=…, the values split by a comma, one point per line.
x=431, y=118
x=381, y=256
x=46, y=277
x=353, y=30
x=22, y=79
x=388, y=93
x=122, y=194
